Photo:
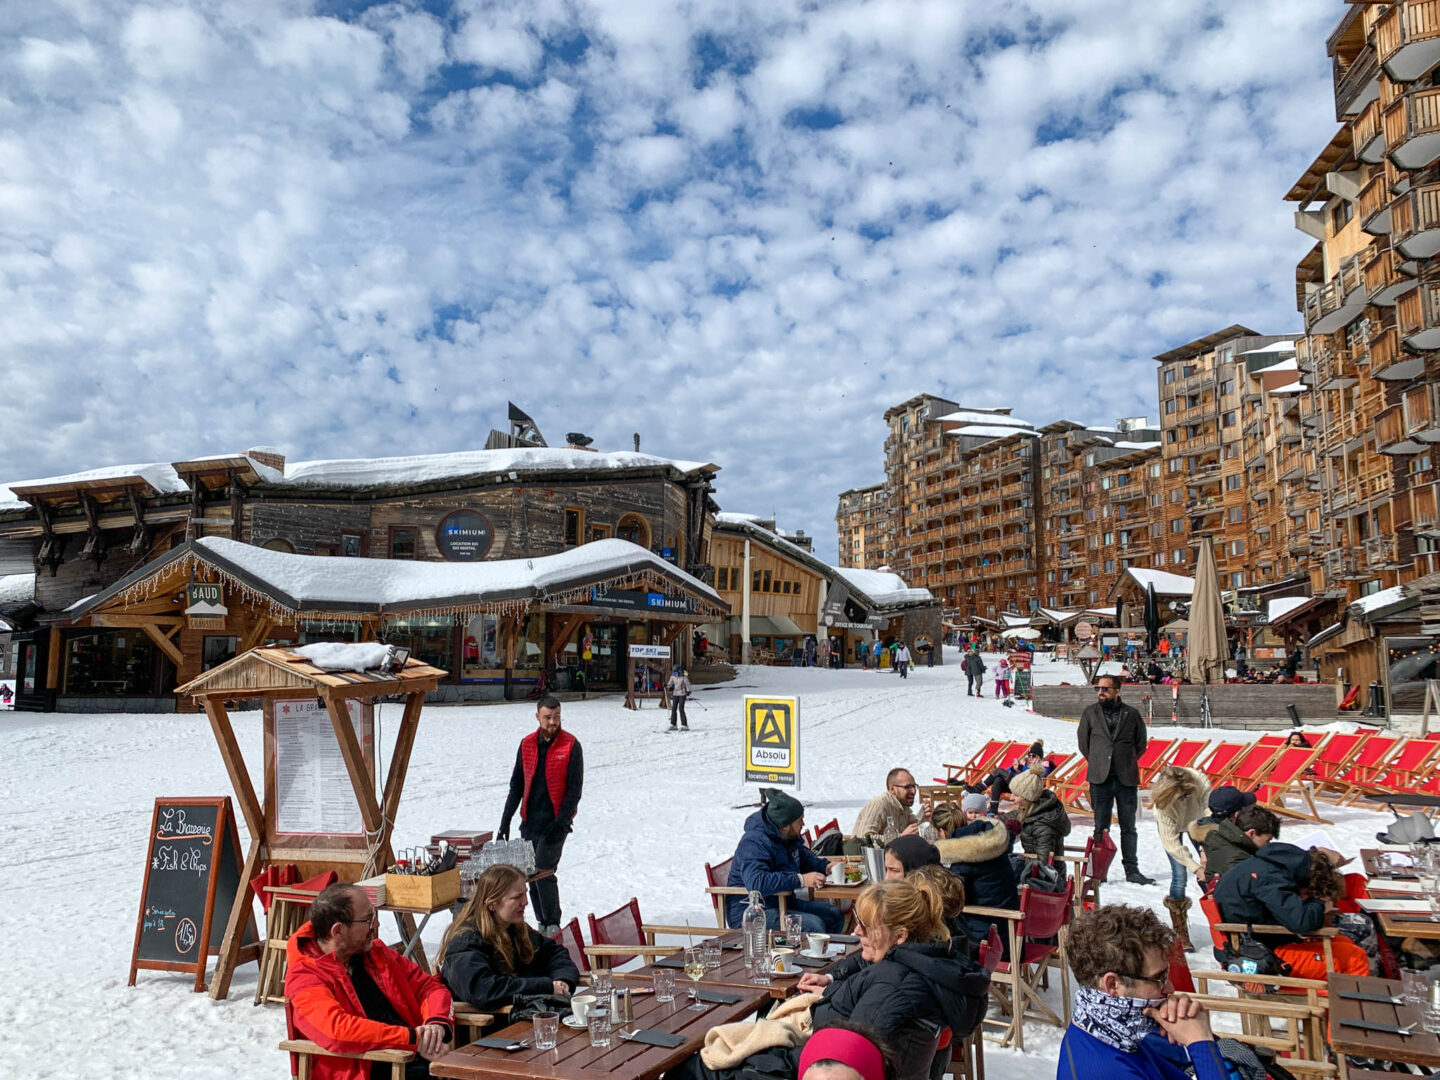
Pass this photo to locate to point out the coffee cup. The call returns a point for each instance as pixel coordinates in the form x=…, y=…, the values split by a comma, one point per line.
x=782, y=961
x=837, y=873
x=582, y=1005
x=819, y=944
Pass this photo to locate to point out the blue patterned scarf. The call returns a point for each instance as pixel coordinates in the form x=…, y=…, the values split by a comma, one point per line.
x=1116, y=1021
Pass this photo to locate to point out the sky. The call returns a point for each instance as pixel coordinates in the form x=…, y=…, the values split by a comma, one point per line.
x=742, y=229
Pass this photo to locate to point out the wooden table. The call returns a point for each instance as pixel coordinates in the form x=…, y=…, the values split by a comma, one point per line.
x=1371, y=860
x=575, y=1059
x=1418, y=1048
x=731, y=974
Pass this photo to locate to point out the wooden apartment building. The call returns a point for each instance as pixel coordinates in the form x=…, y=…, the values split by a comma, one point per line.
x=861, y=527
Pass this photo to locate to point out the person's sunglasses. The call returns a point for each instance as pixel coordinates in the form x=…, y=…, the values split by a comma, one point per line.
x=1161, y=980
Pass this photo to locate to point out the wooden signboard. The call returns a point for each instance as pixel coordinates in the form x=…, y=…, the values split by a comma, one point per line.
x=192, y=876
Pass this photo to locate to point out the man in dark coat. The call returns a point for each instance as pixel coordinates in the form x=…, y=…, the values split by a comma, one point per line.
x=545, y=786
x=772, y=859
x=974, y=667
x=1112, y=737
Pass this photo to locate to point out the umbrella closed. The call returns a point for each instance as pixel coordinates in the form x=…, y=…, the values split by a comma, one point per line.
x=1152, y=619
x=1208, y=648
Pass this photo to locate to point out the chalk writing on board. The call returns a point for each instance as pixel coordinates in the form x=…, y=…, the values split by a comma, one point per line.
x=155, y=918
x=169, y=857
x=185, y=935
x=173, y=826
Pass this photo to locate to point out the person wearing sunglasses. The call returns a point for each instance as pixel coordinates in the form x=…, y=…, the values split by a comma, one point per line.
x=889, y=815
x=351, y=993
x=1112, y=737
x=1127, y=1021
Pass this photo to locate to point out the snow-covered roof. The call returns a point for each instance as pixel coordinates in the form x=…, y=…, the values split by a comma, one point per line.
x=17, y=588
x=1375, y=601
x=1329, y=632
x=1283, y=606
x=1135, y=445
x=1289, y=388
x=731, y=517
x=983, y=416
x=1166, y=583
x=884, y=588
x=1059, y=617
x=1101, y=612
x=1271, y=349
x=391, y=586
x=160, y=475
x=992, y=431
x=1282, y=365
x=1010, y=618
x=430, y=468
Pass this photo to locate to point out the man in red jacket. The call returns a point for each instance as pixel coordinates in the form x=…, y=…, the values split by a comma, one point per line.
x=545, y=786
x=350, y=993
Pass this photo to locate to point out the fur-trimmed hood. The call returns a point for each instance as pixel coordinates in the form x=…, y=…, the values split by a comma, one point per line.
x=1177, y=783
x=976, y=845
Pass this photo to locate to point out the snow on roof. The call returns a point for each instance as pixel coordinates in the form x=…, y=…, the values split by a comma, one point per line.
x=992, y=431
x=983, y=416
x=1273, y=347
x=314, y=581
x=17, y=588
x=429, y=468
x=1289, y=388
x=1010, y=618
x=345, y=656
x=1375, y=601
x=1329, y=632
x=160, y=475
x=884, y=588
x=1283, y=365
x=268, y=473
x=1166, y=583
x=1103, y=612
x=732, y=517
x=1283, y=606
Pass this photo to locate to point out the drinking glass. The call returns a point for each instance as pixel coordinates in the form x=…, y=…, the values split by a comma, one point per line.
x=1417, y=986
x=599, y=1027
x=792, y=930
x=547, y=1030
x=600, y=984
x=664, y=984
x=710, y=949
x=1430, y=888
x=695, y=968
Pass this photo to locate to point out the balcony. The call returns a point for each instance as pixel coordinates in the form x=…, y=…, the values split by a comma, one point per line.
x=1390, y=361
x=1382, y=553
x=1338, y=301
x=1384, y=278
x=1412, y=129
x=1422, y=418
x=1341, y=563
x=1373, y=206
x=1368, y=134
x=1417, y=317
x=1415, y=221
x=1357, y=85
x=1335, y=369
x=1390, y=437
x=1407, y=39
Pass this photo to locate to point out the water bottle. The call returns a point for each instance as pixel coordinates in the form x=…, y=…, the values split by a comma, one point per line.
x=757, y=944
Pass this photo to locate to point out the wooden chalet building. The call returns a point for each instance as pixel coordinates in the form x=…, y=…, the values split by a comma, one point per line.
x=83, y=533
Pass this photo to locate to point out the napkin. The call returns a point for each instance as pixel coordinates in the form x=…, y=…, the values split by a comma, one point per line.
x=656, y=1038
x=716, y=997
x=501, y=1044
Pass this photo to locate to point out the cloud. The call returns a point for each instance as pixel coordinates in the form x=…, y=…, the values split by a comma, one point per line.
x=743, y=229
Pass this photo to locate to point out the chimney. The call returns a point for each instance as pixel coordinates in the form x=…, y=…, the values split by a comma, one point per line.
x=637, y=442
x=268, y=455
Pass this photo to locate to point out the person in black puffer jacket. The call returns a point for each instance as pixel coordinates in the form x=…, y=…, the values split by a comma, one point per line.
x=489, y=957
x=1044, y=824
x=979, y=854
x=908, y=983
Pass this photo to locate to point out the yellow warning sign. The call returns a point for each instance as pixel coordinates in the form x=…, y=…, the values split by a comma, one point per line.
x=772, y=740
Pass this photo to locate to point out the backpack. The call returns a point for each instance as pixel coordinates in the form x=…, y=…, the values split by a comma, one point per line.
x=1029, y=871
x=830, y=846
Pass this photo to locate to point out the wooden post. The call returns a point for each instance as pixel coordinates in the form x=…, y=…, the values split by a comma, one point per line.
x=241, y=910
x=52, y=662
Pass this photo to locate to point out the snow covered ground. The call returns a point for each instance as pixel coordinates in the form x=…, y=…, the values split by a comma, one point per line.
x=76, y=794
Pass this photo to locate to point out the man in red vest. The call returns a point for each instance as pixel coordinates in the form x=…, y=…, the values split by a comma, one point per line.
x=545, y=786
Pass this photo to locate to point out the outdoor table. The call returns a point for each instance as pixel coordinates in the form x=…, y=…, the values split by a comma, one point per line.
x=1419, y=802
x=731, y=974
x=1420, y=1047
x=1371, y=860
x=575, y=1059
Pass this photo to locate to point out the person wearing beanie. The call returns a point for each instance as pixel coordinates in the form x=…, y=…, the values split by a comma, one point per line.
x=1044, y=824
x=906, y=853
x=975, y=806
x=979, y=854
x=771, y=859
x=998, y=783
x=1219, y=841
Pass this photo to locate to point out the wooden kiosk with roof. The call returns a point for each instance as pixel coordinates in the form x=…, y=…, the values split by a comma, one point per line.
x=314, y=825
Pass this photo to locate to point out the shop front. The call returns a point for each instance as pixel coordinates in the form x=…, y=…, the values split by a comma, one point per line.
x=496, y=628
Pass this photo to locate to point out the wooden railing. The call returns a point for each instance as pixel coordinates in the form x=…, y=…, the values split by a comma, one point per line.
x=1374, y=197
x=1381, y=551
x=1366, y=126
x=1406, y=23
x=1417, y=310
x=1350, y=81
x=1416, y=211
x=1382, y=270
x=1389, y=427
x=1422, y=115
x=1384, y=351
x=1419, y=409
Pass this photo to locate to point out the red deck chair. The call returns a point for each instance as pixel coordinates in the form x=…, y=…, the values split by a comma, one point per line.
x=1287, y=775
x=574, y=943
x=1010, y=756
x=1090, y=866
x=1156, y=757
x=1365, y=764
x=1072, y=786
x=1057, y=763
x=620, y=937
x=717, y=887
x=1037, y=941
x=1218, y=761
x=1252, y=765
x=1187, y=752
x=1407, y=769
x=1335, y=754
x=981, y=764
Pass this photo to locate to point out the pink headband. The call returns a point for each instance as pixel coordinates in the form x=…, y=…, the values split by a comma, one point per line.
x=837, y=1044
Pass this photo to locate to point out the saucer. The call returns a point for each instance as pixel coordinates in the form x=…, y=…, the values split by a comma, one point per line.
x=572, y=1021
x=829, y=953
x=786, y=974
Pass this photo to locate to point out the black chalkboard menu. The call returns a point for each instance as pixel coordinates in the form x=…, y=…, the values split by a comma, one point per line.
x=192, y=876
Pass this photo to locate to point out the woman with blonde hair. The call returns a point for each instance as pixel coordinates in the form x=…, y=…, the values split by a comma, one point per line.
x=945, y=819
x=1180, y=797
x=489, y=956
x=934, y=880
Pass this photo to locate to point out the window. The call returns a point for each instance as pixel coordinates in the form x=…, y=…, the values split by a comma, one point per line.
x=755, y=581
x=1177, y=556
x=108, y=663
x=1169, y=406
x=632, y=527
x=327, y=549
x=1177, y=525
x=278, y=543
x=599, y=532
x=1229, y=419
x=574, y=526
x=1169, y=376
x=1237, y=513
x=1170, y=436
x=1341, y=214
x=767, y=583
x=404, y=541
x=1227, y=387
x=351, y=545
x=1233, y=482
x=1237, y=580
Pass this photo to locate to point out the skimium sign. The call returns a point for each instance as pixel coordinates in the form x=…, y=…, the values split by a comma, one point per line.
x=772, y=741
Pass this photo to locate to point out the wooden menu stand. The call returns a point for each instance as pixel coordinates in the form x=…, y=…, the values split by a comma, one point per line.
x=275, y=675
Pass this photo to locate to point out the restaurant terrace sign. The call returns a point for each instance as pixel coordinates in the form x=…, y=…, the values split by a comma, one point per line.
x=636, y=600
x=464, y=536
x=205, y=607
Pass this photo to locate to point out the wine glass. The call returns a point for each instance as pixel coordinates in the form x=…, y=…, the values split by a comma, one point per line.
x=695, y=968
